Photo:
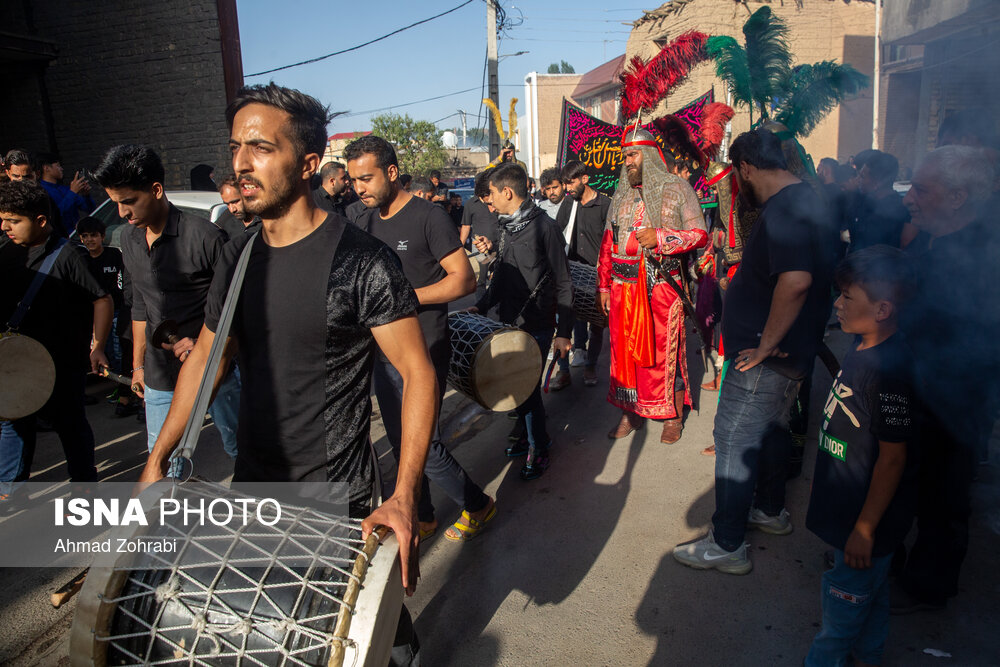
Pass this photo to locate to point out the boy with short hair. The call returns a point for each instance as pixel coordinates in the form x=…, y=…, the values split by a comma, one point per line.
x=862, y=499
x=59, y=317
x=108, y=268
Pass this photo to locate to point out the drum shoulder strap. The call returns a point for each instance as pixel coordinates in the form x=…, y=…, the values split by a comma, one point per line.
x=36, y=284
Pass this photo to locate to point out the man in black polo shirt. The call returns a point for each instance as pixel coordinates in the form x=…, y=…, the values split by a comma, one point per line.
x=440, y=195
x=581, y=217
x=317, y=293
x=334, y=193
x=775, y=309
x=69, y=305
x=170, y=257
x=479, y=219
x=438, y=269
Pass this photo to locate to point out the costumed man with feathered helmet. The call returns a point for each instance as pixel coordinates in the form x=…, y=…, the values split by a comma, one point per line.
x=655, y=218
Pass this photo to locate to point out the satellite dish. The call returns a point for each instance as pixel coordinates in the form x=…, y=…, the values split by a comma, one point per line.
x=449, y=139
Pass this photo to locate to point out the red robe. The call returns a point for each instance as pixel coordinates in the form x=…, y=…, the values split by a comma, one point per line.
x=646, y=321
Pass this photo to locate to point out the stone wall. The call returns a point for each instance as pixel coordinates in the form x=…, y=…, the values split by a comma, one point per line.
x=127, y=72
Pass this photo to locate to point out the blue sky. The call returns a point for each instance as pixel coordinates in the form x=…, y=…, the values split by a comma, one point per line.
x=437, y=58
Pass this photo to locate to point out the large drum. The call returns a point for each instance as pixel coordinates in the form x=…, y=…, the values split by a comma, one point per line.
x=304, y=591
x=585, y=303
x=27, y=375
x=495, y=365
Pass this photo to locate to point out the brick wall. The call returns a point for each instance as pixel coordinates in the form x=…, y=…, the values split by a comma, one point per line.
x=129, y=72
x=818, y=30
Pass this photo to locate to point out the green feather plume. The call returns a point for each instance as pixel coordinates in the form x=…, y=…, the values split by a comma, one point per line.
x=811, y=91
x=767, y=54
x=731, y=66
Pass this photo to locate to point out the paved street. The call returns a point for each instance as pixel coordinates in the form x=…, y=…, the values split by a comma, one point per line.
x=575, y=568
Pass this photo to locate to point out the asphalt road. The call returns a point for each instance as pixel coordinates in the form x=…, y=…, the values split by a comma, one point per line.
x=576, y=566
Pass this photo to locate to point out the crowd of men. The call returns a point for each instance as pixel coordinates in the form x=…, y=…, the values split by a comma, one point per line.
x=345, y=254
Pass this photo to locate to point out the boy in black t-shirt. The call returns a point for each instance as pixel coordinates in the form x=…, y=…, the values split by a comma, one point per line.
x=862, y=493
x=69, y=310
x=108, y=268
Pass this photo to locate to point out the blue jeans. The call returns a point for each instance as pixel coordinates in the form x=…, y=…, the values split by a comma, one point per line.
x=855, y=614
x=225, y=411
x=752, y=449
x=66, y=412
x=531, y=413
x=589, y=337
x=441, y=467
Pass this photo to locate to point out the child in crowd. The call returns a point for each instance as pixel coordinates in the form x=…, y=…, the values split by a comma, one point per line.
x=68, y=310
x=106, y=265
x=863, y=491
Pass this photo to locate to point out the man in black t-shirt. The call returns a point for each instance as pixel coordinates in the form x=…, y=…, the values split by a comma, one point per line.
x=582, y=218
x=334, y=194
x=317, y=293
x=437, y=267
x=879, y=215
x=68, y=307
x=772, y=321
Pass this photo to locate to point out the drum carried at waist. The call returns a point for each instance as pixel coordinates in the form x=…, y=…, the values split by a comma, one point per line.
x=27, y=376
x=495, y=365
x=585, y=303
x=295, y=586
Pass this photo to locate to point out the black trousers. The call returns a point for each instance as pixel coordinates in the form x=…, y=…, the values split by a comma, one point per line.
x=947, y=466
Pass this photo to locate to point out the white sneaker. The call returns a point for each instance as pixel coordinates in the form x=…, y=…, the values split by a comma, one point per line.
x=705, y=554
x=775, y=525
x=578, y=358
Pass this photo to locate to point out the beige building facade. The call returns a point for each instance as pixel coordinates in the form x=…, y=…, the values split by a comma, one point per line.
x=818, y=30
x=938, y=58
x=538, y=128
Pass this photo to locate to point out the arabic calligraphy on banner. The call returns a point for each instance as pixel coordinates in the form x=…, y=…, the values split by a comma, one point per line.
x=598, y=144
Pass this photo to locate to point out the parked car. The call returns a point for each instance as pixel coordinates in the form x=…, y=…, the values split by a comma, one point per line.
x=206, y=205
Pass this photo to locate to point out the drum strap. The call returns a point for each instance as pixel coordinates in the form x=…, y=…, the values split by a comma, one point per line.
x=570, y=226
x=36, y=284
x=193, y=428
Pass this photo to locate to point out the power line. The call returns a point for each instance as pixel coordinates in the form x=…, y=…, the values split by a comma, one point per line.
x=406, y=104
x=355, y=48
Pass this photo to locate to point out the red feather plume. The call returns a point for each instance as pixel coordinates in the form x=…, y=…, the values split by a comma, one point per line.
x=713, y=127
x=645, y=84
x=678, y=137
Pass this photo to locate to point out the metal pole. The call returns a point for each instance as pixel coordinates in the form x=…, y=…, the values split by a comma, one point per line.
x=877, y=74
x=491, y=72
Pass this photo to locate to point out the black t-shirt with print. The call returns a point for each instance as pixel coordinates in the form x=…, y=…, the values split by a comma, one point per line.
x=108, y=268
x=61, y=316
x=303, y=325
x=793, y=233
x=871, y=400
x=421, y=234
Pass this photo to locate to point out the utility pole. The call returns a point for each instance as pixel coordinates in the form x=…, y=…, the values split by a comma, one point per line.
x=877, y=74
x=491, y=73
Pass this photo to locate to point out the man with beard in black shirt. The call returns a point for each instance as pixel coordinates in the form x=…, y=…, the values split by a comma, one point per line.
x=334, y=193
x=437, y=267
x=775, y=309
x=317, y=293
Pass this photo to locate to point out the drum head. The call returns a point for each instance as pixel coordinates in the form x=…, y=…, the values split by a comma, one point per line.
x=507, y=369
x=27, y=376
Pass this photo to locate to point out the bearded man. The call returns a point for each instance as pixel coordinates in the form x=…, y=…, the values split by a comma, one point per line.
x=654, y=219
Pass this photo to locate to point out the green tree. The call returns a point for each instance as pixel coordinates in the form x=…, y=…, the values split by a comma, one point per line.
x=417, y=142
x=561, y=67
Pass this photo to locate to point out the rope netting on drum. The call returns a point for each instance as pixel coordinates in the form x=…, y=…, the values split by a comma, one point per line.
x=247, y=595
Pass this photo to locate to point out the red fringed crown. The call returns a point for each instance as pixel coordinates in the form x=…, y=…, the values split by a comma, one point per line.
x=645, y=84
x=713, y=127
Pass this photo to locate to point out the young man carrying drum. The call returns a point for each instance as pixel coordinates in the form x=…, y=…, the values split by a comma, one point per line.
x=59, y=316
x=317, y=292
x=531, y=285
x=438, y=268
